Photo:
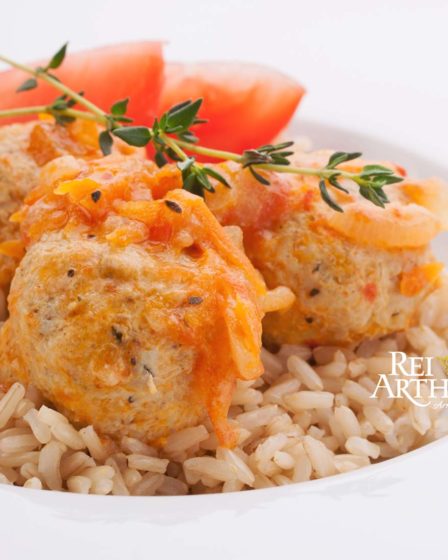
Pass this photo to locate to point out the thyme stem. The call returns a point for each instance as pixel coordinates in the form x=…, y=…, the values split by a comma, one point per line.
x=210, y=152
x=177, y=145
x=224, y=155
x=171, y=135
x=44, y=76
x=174, y=145
x=46, y=109
x=312, y=171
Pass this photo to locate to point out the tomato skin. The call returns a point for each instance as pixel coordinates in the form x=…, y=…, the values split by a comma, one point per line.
x=247, y=105
x=105, y=74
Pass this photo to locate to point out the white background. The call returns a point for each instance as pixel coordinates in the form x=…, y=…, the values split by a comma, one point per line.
x=377, y=66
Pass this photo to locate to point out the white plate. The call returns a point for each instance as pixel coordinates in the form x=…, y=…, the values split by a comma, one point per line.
x=394, y=509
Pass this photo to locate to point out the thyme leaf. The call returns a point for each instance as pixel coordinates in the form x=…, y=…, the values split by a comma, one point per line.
x=58, y=58
x=119, y=108
x=27, y=85
x=138, y=136
x=106, y=142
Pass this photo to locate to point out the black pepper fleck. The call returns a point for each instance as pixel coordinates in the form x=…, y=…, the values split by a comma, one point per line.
x=147, y=369
x=91, y=235
x=173, y=206
x=316, y=268
x=71, y=272
x=395, y=314
x=117, y=334
x=309, y=320
x=314, y=292
x=133, y=362
x=131, y=399
x=96, y=195
x=195, y=300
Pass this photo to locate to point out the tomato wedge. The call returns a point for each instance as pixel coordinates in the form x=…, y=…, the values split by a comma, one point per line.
x=246, y=105
x=106, y=75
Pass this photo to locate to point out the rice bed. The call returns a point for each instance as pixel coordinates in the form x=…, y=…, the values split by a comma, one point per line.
x=296, y=423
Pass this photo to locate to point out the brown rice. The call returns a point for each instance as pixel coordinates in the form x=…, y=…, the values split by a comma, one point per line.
x=298, y=422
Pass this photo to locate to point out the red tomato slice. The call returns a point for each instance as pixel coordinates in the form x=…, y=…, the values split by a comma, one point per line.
x=105, y=74
x=246, y=105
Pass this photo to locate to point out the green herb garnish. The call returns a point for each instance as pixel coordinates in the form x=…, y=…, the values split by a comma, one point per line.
x=172, y=138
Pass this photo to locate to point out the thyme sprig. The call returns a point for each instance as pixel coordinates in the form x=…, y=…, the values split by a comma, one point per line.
x=172, y=138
